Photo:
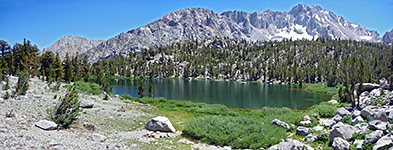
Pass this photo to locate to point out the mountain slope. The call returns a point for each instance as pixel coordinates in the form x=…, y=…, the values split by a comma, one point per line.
x=72, y=44
x=197, y=23
x=388, y=37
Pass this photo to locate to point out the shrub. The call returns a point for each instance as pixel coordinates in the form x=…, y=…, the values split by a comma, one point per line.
x=347, y=119
x=56, y=87
x=234, y=131
x=126, y=96
x=87, y=87
x=6, y=95
x=7, y=84
x=67, y=110
x=325, y=110
x=23, y=83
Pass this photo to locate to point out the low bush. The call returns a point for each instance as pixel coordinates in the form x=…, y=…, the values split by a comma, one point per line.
x=325, y=110
x=87, y=87
x=126, y=96
x=6, y=86
x=67, y=110
x=235, y=131
x=6, y=95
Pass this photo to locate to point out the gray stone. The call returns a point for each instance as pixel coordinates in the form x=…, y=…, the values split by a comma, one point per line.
x=378, y=125
x=333, y=102
x=329, y=123
x=357, y=120
x=358, y=144
x=356, y=113
x=304, y=123
x=281, y=124
x=337, y=118
x=53, y=143
x=342, y=112
x=361, y=128
x=369, y=86
x=376, y=92
x=46, y=125
x=290, y=145
x=306, y=118
x=310, y=138
x=342, y=130
x=86, y=104
x=365, y=93
x=303, y=130
x=383, y=83
x=160, y=124
x=340, y=144
x=379, y=114
x=97, y=137
x=373, y=137
x=318, y=128
x=384, y=142
x=367, y=111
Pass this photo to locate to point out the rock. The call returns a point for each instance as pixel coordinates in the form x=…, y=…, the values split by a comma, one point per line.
x=290, y=145
x=337, y=118
x=303, y=130
x=97, y=137
x=356, y=113
x=378, y=125
x=390, y=116
x=364, y=94
x=376, y=92
x=160, y=124
x=318, y=128
x=342, y=130
x=53, y=143
x=366, y=112
x=89, y=126
x=340, y=144
x=3, y=128
x=329, y=123
x=357, y=120
x=342, y=112
x=86, y=104
x=383, y=83
x=361, y=128
x=358, y=144
x=373, y=137
x=379, y=114
x=369, y=86
x=306, y=118
x=310, y=138
x=384, y=142
x=281, y=124
x=37, y=96
x=46, y=125
x=304, y=123
x=333, y=102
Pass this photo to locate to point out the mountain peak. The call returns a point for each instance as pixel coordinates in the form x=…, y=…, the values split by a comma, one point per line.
x=72, y=45
x=301, y=8
x=388, y=37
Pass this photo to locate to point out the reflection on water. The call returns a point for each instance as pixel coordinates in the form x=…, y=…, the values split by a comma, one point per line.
x=231, y=94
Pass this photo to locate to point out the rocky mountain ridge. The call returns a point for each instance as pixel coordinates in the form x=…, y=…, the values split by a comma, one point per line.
x=301, y=22
x=388, y=37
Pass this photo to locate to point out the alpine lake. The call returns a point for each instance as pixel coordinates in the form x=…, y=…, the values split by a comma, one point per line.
x=229, y=93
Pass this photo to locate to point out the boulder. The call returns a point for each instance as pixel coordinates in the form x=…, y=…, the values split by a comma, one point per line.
x=390, y=116
x=97, y=137
x=337, y=118
x=378, y=125
x=379, y=114
x=358, y=144
x=369, y=87
x=333, y=102
x=361, y=128
x=357, y=120
x=303, y=130
x=342, y=130
x=356, y=113
x=383, y=83
x=310, y=138
x=329, y=123
x=373, y=136
x=384, y=142
x=366, y=112
x=364, y=94
x=86, y=104
x=281, y=124
x=160, y=124
x=342, y=112
x=376, y=93
x=340, y=144
x=46, y=125
x=290, y=145
x=306, y=118
x=305, y=123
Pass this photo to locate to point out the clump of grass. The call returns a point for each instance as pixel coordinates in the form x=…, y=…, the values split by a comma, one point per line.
x=325, y=110
x=234, y=131
x=87, y=87
x=6, y=95
x=321, y=87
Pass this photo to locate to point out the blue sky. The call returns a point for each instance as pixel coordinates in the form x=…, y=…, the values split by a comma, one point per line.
x=45, y=21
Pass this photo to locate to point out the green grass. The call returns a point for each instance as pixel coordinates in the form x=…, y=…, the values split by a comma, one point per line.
x=234, y=131
x=87, y=87
x=320, y=87
x=324, y=110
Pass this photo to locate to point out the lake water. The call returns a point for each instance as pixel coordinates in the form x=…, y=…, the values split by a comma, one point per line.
x=229, y=93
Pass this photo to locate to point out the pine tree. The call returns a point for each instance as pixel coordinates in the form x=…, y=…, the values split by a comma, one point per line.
x=141, y=89
x=151, y=90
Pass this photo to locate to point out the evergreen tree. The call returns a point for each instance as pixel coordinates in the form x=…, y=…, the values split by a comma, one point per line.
x=151, y=90
x=141, y=89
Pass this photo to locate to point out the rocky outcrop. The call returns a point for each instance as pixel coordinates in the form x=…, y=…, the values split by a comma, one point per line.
x=303, y=130
x=281, y=124
x=46, y=125
x=388, y=37
x=342, y=112
x=378, y=125
x=161, y=124
x=373, y=136
x=384, y=142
